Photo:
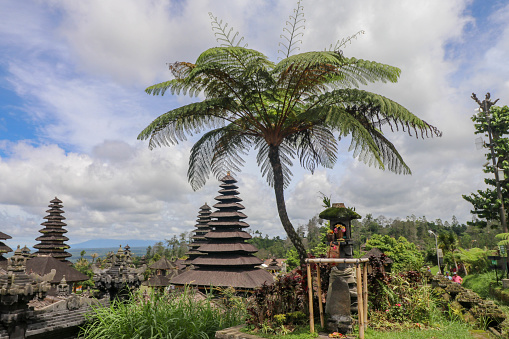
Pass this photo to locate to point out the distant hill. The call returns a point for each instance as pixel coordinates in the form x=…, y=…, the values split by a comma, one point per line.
x=102, y=252
x=112, y=243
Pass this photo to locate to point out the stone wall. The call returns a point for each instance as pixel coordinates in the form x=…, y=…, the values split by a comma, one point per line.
x=60, y=319
x=467, y=304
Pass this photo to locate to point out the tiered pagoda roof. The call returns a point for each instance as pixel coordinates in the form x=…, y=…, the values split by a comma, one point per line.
x=202, y=228
x=4, y=249
x=229, y=260
x=52, y=239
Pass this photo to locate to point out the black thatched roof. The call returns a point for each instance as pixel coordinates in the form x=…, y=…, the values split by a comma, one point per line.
x=44, y=264
x=157, y=281
x=246, y=279
x=202, y=228
x=228, y=260
x=52, y=239
x=162, y=264
x=4, y=236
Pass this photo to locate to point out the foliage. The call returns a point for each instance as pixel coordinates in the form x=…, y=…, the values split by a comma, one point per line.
x=503, y=239
x=278, y=307
x=480, y=283
x=474, y=259
x=84, y=267
x=400, y=298
x=445, y=330
x=405, y=254
x=486, y=205
x=293, y=109
x=292, y=261
x=177, y=315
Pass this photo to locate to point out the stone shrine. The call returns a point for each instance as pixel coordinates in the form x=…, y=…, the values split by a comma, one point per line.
x=342, y=291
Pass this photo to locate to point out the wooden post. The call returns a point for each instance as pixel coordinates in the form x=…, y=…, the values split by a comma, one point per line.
x=365, y=294
x=320, y=306
x=310, y=293
x=360, y=303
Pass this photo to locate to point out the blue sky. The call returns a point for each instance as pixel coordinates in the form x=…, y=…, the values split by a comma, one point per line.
x=72, y=101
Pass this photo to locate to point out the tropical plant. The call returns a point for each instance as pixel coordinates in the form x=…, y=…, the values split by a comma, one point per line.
x=486, y=204
x=299, y=107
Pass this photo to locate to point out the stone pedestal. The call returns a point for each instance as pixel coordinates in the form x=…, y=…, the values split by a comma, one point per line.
x=505, y=283
x=341, y=300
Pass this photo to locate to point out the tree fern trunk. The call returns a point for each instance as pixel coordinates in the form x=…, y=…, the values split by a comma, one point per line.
x=275, y=162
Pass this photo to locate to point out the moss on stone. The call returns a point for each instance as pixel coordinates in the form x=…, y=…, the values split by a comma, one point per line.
x=339, y=213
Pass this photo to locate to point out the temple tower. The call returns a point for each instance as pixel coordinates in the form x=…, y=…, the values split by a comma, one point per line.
x=52, y=239
x=4, y=249
x=229, y=260
x=198, y=239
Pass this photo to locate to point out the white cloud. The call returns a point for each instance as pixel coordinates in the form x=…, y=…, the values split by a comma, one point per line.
x=81, y=70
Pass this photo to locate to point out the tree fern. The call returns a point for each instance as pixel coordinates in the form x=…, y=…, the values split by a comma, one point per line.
x=293, y=27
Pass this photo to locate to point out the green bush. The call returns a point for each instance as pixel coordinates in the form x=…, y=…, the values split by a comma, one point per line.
x=175, y=315
x=480, y=283
x=474, y=259
x=405, y=254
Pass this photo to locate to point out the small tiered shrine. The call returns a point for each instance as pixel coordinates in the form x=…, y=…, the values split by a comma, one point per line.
x=52, y=239
x=4, y=249
x=198, y=239
x=163, y=270
x=229, y=260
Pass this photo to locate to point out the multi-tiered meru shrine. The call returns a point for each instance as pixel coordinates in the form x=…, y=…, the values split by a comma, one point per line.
x=52, y=238
x=202, y=228
x=228, y=260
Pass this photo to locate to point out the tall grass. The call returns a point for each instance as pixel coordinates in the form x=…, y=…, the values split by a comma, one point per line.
x=480, y=283
x=172, y=316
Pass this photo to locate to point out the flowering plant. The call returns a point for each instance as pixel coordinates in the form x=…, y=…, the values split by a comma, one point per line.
x=336, y=335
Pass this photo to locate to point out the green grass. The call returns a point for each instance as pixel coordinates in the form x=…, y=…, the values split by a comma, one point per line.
x=174, y=316
x=480, y=283
x=452, y=330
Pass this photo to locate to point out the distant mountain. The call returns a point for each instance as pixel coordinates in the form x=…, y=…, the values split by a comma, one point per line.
x=114, y=243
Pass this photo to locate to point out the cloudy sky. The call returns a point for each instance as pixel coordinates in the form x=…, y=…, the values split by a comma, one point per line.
x=72, y=102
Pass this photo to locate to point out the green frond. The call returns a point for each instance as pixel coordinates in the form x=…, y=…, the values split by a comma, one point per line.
x=218, y=151
x=293, y=26
x=342, y=43
x=223, y=34
x=315, y=146
x=377, y=110
x=172, y=127
x=286, y=154
x=502, y=236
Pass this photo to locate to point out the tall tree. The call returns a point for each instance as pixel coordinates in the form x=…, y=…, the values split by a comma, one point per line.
x=299, y=107
x=486, y=205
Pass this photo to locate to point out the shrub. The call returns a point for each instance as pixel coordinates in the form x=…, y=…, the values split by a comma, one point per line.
x=405, y=254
